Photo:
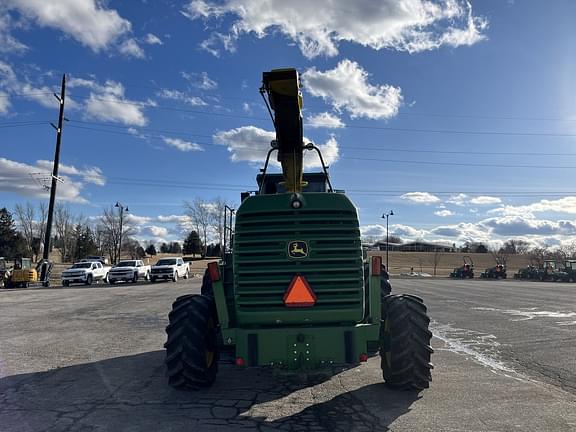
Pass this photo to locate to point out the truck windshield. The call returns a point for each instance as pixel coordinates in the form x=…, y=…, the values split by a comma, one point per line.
x=166, y=262
x=126, y=264
x=82, y=265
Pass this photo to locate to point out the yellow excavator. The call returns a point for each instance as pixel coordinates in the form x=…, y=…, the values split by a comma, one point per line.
x=23, y=275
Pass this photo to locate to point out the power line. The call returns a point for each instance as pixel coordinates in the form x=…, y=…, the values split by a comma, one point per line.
x=387, y=128
x=462, y=164
x=183, y=133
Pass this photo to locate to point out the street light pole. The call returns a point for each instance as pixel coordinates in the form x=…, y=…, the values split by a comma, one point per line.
x=387, y=215
x=122, y=209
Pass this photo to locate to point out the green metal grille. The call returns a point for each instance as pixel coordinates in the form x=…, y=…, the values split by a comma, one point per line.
x=328, y=223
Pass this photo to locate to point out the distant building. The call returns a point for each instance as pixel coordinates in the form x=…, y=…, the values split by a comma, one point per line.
x=417, y=246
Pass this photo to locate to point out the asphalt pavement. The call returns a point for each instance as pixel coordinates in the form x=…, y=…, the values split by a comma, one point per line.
x=91, y=359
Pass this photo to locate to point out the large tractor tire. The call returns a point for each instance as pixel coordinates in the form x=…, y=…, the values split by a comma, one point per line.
x=192, y=349
x=405, y=343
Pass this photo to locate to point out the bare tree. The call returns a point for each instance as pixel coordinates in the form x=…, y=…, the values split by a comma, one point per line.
x=111, y=230
x=436, y=259
x=64, y=226
x=200, y=213
x=25, y=215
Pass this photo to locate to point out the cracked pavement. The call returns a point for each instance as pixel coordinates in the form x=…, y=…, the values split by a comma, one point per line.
x=91, y=359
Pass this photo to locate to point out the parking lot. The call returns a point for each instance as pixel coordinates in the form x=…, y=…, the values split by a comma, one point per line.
x=91, y=358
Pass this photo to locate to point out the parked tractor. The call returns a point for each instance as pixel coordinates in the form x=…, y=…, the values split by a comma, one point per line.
x=549, y=271
x=570, y=270
x=464, y=272
x=23, y=275
x=292, y=292
x=496, y=272
x=528, y=272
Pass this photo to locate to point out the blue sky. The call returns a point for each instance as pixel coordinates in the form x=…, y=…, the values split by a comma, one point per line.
x=460, y=117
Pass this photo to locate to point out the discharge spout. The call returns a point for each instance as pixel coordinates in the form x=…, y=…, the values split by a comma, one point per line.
x=285, y=98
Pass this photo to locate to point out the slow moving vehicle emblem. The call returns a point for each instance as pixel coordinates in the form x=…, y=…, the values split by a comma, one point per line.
x=297, y=249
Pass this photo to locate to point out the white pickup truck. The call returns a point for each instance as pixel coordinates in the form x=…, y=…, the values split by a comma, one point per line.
x=170, y=268
x=85, y=272
x=129, y=270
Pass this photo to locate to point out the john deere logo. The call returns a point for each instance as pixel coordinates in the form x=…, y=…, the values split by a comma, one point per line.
x=297, y=249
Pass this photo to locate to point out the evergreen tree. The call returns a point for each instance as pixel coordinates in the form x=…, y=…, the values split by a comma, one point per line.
x=85, y=243
x=151, y=250
x=164, y=248
x=192, y=244
x=175, y=248
x=11, y=242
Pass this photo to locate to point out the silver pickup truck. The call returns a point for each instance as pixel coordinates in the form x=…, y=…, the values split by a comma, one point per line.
x=85, y=272
x=130, y=271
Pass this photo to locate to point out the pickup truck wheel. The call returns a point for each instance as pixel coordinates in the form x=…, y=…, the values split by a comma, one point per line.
x=88, y=280
x=186, y=275
x=112, y=281
x=65, y=283
x=152, y=279
x=106, y=280
x=135, y=277
x=147, y=277
x=175, y=277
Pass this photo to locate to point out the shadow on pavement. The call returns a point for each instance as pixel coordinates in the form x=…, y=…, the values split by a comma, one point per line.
x=131, y=394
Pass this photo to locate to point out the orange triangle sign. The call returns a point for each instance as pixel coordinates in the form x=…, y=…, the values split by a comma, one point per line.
x=299, y=293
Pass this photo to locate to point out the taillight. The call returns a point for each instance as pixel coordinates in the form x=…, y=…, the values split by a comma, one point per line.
x=240, y=362
x=376, y=265
x=363, y=358
x=213, y=271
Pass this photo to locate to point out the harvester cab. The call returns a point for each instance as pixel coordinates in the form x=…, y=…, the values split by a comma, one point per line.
x=466, y=271
x=292, y=292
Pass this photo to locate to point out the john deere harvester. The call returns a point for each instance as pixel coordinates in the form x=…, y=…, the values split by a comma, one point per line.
x=294, y=291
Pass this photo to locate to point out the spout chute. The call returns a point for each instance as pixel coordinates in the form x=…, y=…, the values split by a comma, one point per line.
x=283, y=89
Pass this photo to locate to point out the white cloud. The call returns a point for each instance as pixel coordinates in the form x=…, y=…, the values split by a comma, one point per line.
x=251, y=144
x=406, y=231
x=154, y=231
x=107, y=102
x=319, y=27
x=8, y=44
x=152, y=39
x=420, y=197
x=211, y=44
x=375, y=231
x=130, y=48
x=182, y=145
x=458, y=199
x=565, y=205
x=87, y=21
x=485, y=200
x=509, y=226
x=181, y=96
x=4, y=102
x=444, y=213
x=346, y=87
x=325, y=120
x=16, y=177
x=200, y=80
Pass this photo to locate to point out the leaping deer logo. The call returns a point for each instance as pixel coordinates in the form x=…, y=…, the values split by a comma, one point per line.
x=298, y=249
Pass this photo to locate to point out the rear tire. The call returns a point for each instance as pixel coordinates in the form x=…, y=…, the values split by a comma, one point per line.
x=191, y=348
x=405, y=343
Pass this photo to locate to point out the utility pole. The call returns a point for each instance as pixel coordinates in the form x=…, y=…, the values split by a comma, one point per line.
x=55, y=178
x=122, y=209
x=387, y=215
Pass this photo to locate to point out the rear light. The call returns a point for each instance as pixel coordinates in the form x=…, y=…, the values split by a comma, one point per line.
x=214, y=272
x=240, y=362
x=363, y=358
x=376, y=265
